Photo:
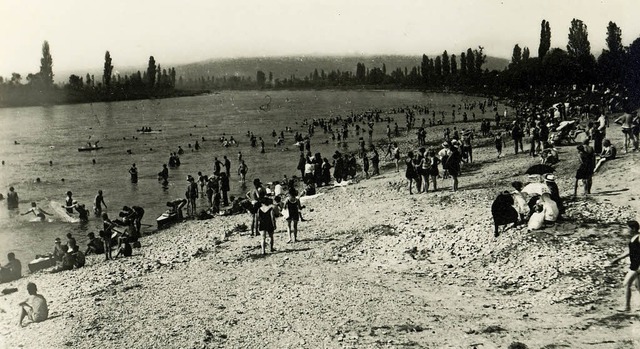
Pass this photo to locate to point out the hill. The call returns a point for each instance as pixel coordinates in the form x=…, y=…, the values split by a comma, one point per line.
x=300, y=66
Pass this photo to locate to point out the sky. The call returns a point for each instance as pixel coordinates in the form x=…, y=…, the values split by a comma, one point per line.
x=174, y=32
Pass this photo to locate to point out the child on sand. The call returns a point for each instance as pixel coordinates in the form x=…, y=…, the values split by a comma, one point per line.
x=634, y=256
x=266, y=223
x=292, y=207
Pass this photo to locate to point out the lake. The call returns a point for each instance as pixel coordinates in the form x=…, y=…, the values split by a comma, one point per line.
x=54, y=133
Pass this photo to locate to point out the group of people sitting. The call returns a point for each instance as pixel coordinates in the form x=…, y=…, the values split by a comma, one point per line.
x=67, y=256
x=538, y=203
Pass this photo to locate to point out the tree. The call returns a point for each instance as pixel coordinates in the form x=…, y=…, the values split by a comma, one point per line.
x=525, y=53
x=34, y=79
x=424, y=65
x=46, y=66
x=16, y=78
x=479, y=59
x=516, y=57
x=611, y=61
x=108, y=69
x=151, y=72
x=545, y=39
x=471, y=65
x=454, y=65
x=446, y=64
x=579, y=50
x=361, y=72
x=578, y=45
x=260, y=78
x=632, y=76
x=438, y=67
x=172, y=76
x=614, y=39
x=463, y=64
x=75, y=82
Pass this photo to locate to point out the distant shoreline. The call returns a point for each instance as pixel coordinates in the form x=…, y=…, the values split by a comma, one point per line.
x=64, y=97
x=69, y=99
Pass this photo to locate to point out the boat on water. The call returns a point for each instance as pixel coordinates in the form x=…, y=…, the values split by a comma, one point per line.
x=91, y=148
x=148, y=131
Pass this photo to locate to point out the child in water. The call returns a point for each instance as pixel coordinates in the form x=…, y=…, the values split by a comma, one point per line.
x=37, y=211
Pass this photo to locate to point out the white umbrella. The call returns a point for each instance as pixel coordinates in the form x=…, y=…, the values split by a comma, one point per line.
x=535, y=188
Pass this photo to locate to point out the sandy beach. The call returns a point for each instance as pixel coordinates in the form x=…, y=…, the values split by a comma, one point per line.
x=375, y=267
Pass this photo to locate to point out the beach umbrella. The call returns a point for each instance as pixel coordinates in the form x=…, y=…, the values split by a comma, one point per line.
x=535, y=188
x=540, y=169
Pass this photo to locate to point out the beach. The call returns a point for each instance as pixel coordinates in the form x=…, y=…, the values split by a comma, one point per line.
x=374, y=268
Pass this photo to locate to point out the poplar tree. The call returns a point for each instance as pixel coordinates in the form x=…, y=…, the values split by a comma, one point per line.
x=108, y=69
x=446, y=64
x=545, y=39
x=454, y=65
x=463, y=64
x=578, y=45
x=151, y=72
x=470, y=62
x=46, y=66
x=516, y=56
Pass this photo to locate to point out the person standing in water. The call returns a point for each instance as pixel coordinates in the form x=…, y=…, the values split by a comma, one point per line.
x=69, y=202
x=97, y=204
x=133, y=171
x=80, y=208
x=227, y=166
x=12, y=199
x=242, y=171
x=37, y=211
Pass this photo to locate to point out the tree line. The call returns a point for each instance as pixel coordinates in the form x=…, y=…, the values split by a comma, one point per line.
x=552, y=74
x=553, y=71
x=40, y=89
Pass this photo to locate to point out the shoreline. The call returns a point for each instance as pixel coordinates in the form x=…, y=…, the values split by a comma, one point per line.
x=375, y=267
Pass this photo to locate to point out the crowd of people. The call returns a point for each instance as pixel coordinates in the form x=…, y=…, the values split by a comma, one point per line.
x=423, y=166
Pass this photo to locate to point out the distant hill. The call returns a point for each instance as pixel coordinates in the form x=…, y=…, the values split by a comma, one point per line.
x=300, y=66
x=281, y=67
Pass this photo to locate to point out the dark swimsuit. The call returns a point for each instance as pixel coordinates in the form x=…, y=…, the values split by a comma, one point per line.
x=634, y=252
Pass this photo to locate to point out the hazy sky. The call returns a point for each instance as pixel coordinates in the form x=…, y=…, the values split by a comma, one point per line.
x=80, y=31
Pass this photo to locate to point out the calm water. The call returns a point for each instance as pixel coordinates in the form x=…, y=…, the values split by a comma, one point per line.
x=54, y=133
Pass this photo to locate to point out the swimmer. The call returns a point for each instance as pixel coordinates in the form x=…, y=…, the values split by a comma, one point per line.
x=37, y=211
x=80, y=208
x=93, y=161
x=50, y=163
x=38, y=180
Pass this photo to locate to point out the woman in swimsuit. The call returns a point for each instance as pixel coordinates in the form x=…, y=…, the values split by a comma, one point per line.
x=634, y=255
x=293, y=206
x=37, y=211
